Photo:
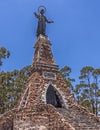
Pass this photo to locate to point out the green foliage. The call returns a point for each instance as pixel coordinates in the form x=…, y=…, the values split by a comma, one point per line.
x=11, y=83
x=4, y=53
x=65, y=72
x=11, y=87
x=88, y=90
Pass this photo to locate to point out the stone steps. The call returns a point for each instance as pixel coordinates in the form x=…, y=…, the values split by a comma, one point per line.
x=79, y=120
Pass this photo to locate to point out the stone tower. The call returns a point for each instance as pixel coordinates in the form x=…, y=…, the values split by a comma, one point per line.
x=46, y=103
x=45, y=85
x=45, y=92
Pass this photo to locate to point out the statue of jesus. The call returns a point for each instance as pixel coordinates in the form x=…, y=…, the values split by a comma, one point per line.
x=42, y=20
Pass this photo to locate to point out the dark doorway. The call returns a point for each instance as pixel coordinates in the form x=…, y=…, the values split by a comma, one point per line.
x=52, y=97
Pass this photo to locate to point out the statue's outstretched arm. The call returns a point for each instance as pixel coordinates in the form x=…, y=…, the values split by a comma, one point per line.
x=48, y=21
x=36, y=15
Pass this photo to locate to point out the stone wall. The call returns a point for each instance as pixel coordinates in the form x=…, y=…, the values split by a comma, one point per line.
x=38, y=86
x=40, y=117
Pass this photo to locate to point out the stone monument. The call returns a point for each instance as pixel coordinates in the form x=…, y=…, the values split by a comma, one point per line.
x=46, y=103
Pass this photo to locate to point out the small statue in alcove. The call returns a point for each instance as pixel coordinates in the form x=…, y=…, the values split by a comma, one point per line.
x=42, y=20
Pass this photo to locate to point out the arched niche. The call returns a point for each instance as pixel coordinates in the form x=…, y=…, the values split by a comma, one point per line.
x=54, y=98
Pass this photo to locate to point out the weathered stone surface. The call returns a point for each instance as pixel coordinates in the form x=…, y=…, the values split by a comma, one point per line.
x=40, y=117
x=33, y=112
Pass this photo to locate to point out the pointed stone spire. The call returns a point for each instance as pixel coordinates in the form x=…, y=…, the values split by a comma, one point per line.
x=43, y=57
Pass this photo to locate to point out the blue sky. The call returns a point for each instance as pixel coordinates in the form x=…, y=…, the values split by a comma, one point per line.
x=75, y=34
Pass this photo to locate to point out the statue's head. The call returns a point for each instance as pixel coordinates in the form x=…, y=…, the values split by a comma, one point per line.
x=42, y=11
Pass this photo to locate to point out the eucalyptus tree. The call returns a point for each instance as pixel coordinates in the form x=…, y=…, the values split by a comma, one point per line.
x=88, y=90
x=96, y=89
x=84, y=91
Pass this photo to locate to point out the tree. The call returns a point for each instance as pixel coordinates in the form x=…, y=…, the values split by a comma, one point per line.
x=4, y=53
x=11, y=87
x=84, y=89
x=65, y=72
x=11, y=83
x=96, y=88
x=87, y=91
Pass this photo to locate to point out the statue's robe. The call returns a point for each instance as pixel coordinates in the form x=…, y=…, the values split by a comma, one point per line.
x=41, y=28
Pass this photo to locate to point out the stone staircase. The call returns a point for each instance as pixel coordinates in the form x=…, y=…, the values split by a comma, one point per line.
x=80, y=119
